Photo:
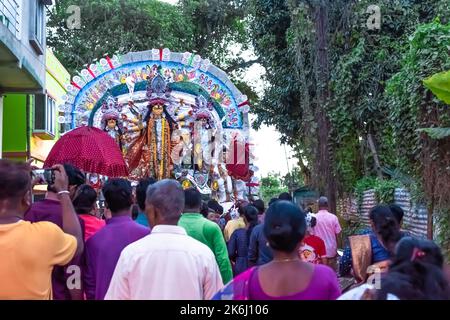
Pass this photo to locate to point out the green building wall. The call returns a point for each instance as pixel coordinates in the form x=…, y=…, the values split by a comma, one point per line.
x=16, y=135
x=14, y=126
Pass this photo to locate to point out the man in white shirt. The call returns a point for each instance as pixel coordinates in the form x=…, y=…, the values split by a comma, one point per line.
x=167, y=264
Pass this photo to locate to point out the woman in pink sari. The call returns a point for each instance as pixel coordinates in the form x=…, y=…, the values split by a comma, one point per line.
x=286, y=277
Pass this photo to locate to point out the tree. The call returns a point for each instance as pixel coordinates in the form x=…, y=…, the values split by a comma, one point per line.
x=271, y=187
x=116, y=26
x=327, y=74
x=413, y=108
x=205, y=27
x=293, y=179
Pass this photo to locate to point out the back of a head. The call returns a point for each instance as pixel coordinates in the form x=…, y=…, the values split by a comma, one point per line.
x=259, y=204
x=416, y=272
x=273, y=200
x=241, y=207
x=213, y=204
x=15, y=179
x=84, y=199
x=251, y=214
x=192, y=200
x=76, y=176
x=134, y=211
x=141, y=191
x=285, y=196
x=167, y=196
x=385, y=226
x=204, y=209
x=398, y=212
x=323, y=203
x=118, y=195
x=284, y=226
x=425, y=251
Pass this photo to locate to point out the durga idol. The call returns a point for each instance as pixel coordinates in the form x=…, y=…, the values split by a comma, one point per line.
x=149, y=154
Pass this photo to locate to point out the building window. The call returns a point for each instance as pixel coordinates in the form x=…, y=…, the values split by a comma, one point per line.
x=44, y=117
x=37, y=25
x=10, y=15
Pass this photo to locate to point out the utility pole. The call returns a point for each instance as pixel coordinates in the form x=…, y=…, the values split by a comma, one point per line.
x=289, y=169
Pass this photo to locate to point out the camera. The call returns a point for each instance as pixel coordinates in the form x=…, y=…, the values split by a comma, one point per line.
x=46, y=176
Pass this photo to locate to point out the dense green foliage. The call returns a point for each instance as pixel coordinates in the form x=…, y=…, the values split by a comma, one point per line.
x=384, y=189
x=381, y=117
x=107, y=27
x=271, y=187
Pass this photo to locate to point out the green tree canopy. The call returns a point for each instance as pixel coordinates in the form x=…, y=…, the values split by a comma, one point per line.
x=271, y=187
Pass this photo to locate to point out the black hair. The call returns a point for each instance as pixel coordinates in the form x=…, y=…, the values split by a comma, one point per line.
x=166, y=113
x=119, y=129
x=416, y=272
x=141, y=191
x=259, y=204
x=15, y=179
x=76, y=177
x=272, y=201
x=313, y=222
x=241, y=207
x=204, y=209
x=284, y=226
x=84, y=199
x=192, y=199
x=213, y=204
x=386, y=226
x=118, y=194
x=251, y=215
x=398, y=212
x=285, y=196
x=134, y=211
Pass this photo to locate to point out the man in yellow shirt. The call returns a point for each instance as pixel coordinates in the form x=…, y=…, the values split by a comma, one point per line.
x=28, y=251
x=236, y=221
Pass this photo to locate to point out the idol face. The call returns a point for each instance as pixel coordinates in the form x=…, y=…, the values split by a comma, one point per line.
x=112, y=123
x=157, y=110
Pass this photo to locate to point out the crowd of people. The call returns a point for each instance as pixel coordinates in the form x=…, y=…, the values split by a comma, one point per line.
x=159, y=241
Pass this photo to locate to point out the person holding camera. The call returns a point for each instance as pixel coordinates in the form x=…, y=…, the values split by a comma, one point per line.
x=29, y=251
x=50, y=209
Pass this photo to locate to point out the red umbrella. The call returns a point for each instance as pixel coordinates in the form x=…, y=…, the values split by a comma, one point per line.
x=89, y=149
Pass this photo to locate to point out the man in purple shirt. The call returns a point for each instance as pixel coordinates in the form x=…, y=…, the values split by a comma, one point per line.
x=50, y=209
x=103, y=249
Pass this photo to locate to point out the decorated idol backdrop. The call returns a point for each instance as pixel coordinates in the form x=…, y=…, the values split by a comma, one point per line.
x=172, y=115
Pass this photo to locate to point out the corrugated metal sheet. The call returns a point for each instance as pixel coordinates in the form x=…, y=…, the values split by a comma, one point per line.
x=347, y=208
x=368, y=202
x=414, y=220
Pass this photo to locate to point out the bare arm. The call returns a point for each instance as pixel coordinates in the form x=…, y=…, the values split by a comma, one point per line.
x=70, y=222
